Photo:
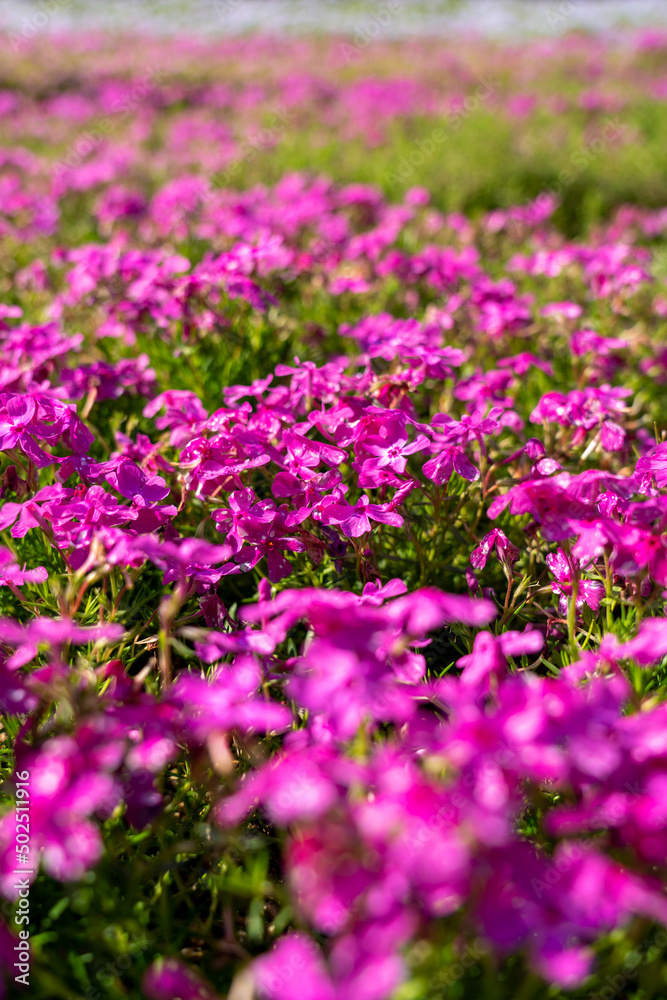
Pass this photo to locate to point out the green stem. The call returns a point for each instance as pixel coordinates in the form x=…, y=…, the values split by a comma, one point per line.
x=572, y=614
x=608, y=589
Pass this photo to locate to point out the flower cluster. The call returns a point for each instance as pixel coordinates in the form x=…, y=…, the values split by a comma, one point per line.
x=334, y=524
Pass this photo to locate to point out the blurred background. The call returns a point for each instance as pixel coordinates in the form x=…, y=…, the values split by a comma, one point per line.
x=498, y=18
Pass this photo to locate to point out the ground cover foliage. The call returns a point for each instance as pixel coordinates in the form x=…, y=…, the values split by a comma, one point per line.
x=333, y=475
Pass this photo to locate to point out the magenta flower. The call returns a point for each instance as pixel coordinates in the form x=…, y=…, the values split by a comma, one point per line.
x=271, y=541
x=53, y=632
x=244, y=516
x=304, y=455
x=565, y=310
x=588, y=409
x=64, y=793
x=489, y=656
x=650, y=644
x=382, y=447
x=11, y=574
x=391, y=453
x=25, y=420
x=505, y=551
x=653, y=468
x=294, y=960
x=354, y=520
x=589, y=592
x=228, y=700
x=131, y=481
x=299, y=784
x=169, y=978
x=190, y=560
x=550, y=502
x=450, y=459
x=16, y=696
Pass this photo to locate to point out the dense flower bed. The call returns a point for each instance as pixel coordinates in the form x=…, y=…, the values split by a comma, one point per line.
x=334, y=563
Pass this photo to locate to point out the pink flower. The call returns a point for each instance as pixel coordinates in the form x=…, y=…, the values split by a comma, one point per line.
x=649, y=645
x=392, y=453
x=550, y=501
x=169, y=979
x=505, y=551
x=450, y=459
x=294, y=960
x=589, y=592
x=228, y=700
x=567, y=310
x=489, y=654
x=11, y=573
x=53, y=632
x=354, y=519
x=186, y=561
x=131, y=481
